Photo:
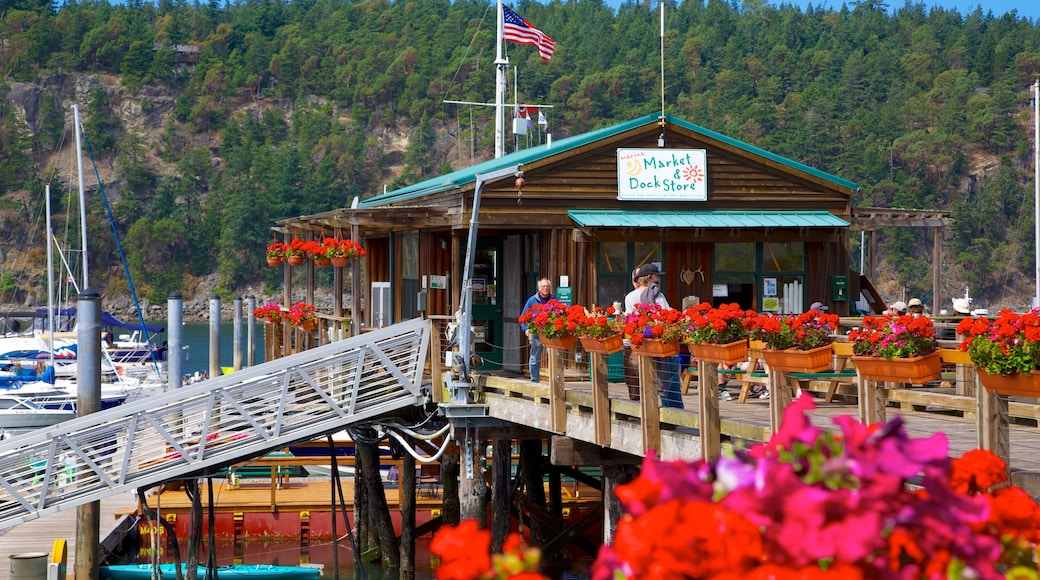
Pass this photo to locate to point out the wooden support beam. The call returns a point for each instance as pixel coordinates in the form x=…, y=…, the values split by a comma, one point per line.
x=568, y=451
x=708, y=401
x=649, y=410
x=994, y=431
x=557, y=392
x=600, y=399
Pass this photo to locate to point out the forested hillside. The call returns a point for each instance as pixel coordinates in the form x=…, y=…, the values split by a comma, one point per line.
x=209, y=122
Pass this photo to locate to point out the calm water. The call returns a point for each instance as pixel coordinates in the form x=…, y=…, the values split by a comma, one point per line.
x=196, y=343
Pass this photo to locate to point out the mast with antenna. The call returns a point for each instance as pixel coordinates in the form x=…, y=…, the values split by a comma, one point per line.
x=501, y=65
x=82, y=198
x=660, y=139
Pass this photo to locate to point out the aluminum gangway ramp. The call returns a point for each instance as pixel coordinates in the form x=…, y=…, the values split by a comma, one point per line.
x=212, y=423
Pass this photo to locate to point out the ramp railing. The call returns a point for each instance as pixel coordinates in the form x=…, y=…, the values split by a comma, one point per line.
x=213, y=423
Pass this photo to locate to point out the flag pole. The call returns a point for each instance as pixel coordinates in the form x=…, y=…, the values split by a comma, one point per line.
x=501, y=63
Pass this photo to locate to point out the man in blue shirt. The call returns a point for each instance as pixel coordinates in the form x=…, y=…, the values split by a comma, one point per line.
x=542, y=296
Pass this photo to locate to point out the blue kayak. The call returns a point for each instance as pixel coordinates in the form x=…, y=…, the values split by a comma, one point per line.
x=232, y=572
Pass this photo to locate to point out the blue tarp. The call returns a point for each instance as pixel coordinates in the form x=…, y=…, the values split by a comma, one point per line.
x=107, y=320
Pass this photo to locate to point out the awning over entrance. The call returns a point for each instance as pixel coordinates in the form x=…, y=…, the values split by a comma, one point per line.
x=592, y=218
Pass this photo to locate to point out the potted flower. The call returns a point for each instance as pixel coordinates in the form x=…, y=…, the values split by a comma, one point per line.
x=898, y=348
x=303, y=315
x=600, y=330
x=654, y=331
x=340, y=251
x=795, y=343
x=275, y=253
x=1006, y=351
x=296, y=251
x=554, y=323
x=825, y=503
x=717, y=334
x=270, y=313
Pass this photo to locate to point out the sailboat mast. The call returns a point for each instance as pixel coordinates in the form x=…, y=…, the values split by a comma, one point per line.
x=82, y=197
x=50, y=280
x=501, y=64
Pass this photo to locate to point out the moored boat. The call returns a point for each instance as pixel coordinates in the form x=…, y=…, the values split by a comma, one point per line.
x=22, y=413
x=233, y=571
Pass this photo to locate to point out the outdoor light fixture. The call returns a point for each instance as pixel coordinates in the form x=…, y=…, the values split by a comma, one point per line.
x=660, y=140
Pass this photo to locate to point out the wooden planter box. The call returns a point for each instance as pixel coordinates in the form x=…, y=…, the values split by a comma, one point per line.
x=560, y=343
x=657, y=348
x=799, y=361
x=730, y=353
x=917, y=370
x=1016, y=385
x=609, y=345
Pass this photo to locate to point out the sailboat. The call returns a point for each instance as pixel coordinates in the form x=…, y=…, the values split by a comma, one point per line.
x=43, y=363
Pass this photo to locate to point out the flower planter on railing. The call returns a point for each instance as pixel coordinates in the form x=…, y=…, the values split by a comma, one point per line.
x=1016, y=385
x=656, y=348
x=799, y=361
x=916, y=370
x=609, y=345
x=565, y=342
x=730, y=353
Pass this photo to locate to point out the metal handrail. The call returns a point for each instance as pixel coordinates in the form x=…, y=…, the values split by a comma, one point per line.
x=213, y=423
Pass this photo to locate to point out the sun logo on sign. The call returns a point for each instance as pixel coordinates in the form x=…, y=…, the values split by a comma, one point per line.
x=693, y=173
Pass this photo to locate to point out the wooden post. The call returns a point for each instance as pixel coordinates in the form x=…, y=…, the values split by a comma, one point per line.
x=557, y=392
x=613, y=476
x=994, y=431
x=436, y=360
x=472, y=504
x=780, y=395
x=708, y=404
x=649, y=404
x=501, y=499
x=871, y=396
x=600, y=399
x=406, y=489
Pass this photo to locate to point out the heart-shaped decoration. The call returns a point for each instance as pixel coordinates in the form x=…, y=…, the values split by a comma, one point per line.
x=687, y=276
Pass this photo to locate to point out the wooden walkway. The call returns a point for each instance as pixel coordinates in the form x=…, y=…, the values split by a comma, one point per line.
x=520, y=401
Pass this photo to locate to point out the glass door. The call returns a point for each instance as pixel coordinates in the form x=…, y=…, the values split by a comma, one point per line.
x=487, y=306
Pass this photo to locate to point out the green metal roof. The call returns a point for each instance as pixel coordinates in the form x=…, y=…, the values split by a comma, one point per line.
x=460, y=177
x=704, y=219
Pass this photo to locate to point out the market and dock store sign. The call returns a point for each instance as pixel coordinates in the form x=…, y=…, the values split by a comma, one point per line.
x=662, y=174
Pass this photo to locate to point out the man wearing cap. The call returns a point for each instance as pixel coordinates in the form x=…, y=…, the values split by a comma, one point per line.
x=542, y=296
x=819, y=307
x=649, y=279
x=915, y=308
x=899, y=308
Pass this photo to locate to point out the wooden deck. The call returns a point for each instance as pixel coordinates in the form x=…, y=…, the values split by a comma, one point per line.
x=924, y=411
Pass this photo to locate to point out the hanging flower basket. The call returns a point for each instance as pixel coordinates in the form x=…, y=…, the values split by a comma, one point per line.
x=295, y=260
x=339, y=261
x=274, y=261
x=607, y=345
x=308, y=325
x=799, y=361
x=1020, y=384
x=565, y=342
x=916, y=370
x=729, y=353
x=656, y=348
x=322, y=262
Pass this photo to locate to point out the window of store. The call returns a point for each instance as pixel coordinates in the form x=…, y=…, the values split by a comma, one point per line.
x=764, y=276
x=614, y=264
x=409, y=276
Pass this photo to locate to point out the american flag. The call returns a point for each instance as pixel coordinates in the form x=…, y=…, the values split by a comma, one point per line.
x=520, y=31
